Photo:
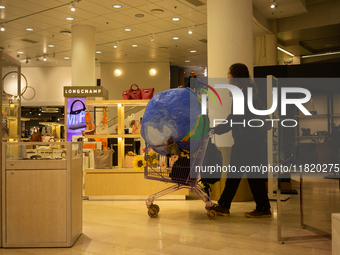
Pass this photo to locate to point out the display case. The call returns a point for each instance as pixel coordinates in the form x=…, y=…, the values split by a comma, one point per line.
x=41, y=194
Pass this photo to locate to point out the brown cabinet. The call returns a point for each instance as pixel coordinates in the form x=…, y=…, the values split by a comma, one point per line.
x=42, y=201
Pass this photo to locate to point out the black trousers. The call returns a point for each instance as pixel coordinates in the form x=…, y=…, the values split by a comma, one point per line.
x=242, y=156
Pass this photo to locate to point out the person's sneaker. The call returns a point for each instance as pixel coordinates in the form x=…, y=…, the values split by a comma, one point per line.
x=220, y=210
x=259, y=214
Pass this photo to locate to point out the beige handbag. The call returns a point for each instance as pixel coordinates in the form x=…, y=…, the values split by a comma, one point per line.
x=103, y=127
x=128, y=160
x=102, y=159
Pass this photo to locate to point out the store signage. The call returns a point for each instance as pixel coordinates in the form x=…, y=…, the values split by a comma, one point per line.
x=88, y=91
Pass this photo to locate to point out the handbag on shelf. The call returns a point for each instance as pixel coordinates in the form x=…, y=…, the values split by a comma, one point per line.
x=103, y=159
x=47, y=138
x=132, y=93
x=128, y=160
x=36, y=137
x=147, y=93
x=103, y=127
x=136, y=127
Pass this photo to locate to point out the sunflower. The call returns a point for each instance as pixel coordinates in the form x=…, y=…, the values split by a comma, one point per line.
x=138, y=163
x=155, y=161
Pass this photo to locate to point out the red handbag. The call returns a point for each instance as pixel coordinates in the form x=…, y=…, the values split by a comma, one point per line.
x=132, y=93
x=147, y=93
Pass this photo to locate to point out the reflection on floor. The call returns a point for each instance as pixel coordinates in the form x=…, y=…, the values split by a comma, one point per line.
x=182, y=227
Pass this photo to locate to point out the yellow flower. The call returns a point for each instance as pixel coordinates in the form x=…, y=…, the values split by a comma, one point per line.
x=138, y=163
x=155, y=161
x=163, y=165
x=175, y=158
x=152, y=153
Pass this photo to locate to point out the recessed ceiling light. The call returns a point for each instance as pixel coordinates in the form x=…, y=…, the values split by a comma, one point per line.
x=66, y=57
x=192, y=51
x=98, y=52
x=139, y=15
x=20, y=52
x=50, y=46
x=29, y=29
x=175, y=19
x=134, y=45
x=117, y=6
x=70, y=18
x=175, y=38
x=187, y=61
x=2, y=7
x=157, y=11
x=128, y=29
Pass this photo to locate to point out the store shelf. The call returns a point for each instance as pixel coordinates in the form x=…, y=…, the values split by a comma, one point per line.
x=336, y=115
x=315, y=116
x=113, y=170
x=25, y=119
x=52, y=123
x=114, y=136
x=142, y=102
x=10, y=118
x=311, y=136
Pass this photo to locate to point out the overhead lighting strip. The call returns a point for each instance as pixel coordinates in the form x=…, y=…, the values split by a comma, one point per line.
x=322, y=54
x=290, y=54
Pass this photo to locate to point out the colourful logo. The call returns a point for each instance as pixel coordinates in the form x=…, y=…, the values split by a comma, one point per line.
x=204, y=97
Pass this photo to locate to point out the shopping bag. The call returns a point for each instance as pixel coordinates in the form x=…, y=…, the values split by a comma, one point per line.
x=147, y=93
x=47, y=138
x=103, y=159
x=136, y=127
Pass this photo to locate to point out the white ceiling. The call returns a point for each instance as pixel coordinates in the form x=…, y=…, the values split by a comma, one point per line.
x=110, y=24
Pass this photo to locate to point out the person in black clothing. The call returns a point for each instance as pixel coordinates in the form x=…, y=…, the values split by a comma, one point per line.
x=189, y=83
x=248, y=149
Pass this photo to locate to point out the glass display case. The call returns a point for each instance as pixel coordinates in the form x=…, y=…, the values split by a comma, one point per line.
x=41, y=194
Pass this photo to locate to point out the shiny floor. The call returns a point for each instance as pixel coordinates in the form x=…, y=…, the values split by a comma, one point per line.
x=182, y=227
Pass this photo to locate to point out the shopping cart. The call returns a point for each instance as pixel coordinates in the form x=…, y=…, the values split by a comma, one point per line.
x=179, y=170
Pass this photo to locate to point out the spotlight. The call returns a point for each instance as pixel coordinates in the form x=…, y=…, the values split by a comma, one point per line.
x=273, y=5
x=115, y=45
x=2, y=28
x=190, y=31
x=44, y=58
x=152, y=38
x=72, y=7
x=26, y=60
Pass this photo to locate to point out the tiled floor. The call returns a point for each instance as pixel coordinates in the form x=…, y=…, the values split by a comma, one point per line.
x=123, y=227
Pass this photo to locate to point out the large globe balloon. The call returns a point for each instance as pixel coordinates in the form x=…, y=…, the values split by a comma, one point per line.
x=170, y=113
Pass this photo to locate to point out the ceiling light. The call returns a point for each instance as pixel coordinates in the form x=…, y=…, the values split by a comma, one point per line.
x=152, y=72
x=273, y=5
x=26, y=60
x=157, y=11
x=117, y=72
x=117, y=6
x=66, y=57
x=152, y=38
x=175, y=19
x=322, y=54
x=128, y=29
x=72, y=7
x=44, y=58
x=187, y=61
x=290, y=54
x=51, y=46
x=29, y=29
x=98, y=52
x=134, y=45
x=190, y=31
x=2, y=7
x=175, y=38
x=192, y=51
x=70, y=18
x=20, y=52
x=139, y=15
x=2, y=28
x=115, y=45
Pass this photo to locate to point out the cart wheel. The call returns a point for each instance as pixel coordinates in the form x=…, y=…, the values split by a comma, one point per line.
x=211, y=214
x=152, y=212
x=156, y=207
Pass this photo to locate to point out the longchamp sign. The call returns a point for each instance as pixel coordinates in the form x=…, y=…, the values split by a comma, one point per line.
x=86, y=91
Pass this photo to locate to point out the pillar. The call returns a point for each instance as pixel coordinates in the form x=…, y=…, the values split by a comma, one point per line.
x=271, y=49
x=83, y=56
x=230, y=40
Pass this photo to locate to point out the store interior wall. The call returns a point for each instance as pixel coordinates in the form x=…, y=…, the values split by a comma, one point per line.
x=48, y=83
